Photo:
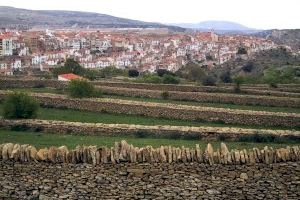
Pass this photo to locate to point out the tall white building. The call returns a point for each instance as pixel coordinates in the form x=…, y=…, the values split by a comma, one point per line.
x=6, y=47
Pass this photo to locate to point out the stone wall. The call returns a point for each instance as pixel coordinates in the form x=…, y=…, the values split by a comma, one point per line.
x=207, y=97
x=31, y=83
x=147, y=181
x=123, y=152
x=127, y=172
x=211, y=133
x=169, y=111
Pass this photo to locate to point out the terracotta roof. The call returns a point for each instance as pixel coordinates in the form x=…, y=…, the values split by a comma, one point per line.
x=70, y=76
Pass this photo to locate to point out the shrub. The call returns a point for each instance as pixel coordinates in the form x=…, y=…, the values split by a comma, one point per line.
x=20, y=106
x=169, y=79
x=273, y=85
x=21, y=127
x=242, y=50
x=237, y=89
x=192, y=136
x=226, y=77
x=165, y=95
x=209, y=81
x=238, y=81
x=222, y=137
x=70, y=66
x=133, y=73
x=142, y=134
x=150, y=78
x=258, y=138
x=81, y=88
x=175, y=136
x=248, y=67
x=162, y=72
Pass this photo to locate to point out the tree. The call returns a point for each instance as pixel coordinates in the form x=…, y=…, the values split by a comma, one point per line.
x=20, y=106
x=238, y=80
x=248, y=67
x=225, y=77
x=165, y=95
x=162, y=72
x=133, y=73
x=191, y=72
x=81, y=88
x=242, y=50
x=169, y=79
x=112, y=71
x=209, y=81
x=70, y=66
x=209, y=57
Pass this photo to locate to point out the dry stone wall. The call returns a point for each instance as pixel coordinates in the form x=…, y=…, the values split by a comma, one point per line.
x=169, y=111
x=123, y=152
x=31, y=83
x=127, y=172
x=160, y=181
x=211, y=133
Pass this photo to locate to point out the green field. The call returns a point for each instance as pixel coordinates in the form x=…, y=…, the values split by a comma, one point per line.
x=46, y=140
x=108, y=118
x=216, y=105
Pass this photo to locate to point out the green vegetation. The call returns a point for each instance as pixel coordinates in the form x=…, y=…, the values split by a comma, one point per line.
x=133, y=73
x=40, y=140
x=225, y=77
x=242, y=50
x=265, y=138
x=70, y=66
x=192, y=72
x=209, y=81
x=165, y=95
x=170, y=79
x=154, y=78
x=111, y=71
x=288, y=74
x=82, y=88
x=19, y=105
x=239, y=80
x=273, y=66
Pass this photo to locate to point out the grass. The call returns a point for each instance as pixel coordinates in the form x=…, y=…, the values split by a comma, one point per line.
x=40, y=140
x=109, y=118
x=215, y=105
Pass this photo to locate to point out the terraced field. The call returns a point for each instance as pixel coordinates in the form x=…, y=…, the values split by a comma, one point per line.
x=130, y=116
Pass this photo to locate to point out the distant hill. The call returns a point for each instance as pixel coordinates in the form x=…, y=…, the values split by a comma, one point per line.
x=11, y=17
x=218, y=26
x=290, y=37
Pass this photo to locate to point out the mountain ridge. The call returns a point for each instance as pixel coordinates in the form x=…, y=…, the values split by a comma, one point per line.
x=11, y=17
x=218, y=26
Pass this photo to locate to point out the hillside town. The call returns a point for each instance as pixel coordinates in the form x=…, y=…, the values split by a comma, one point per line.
x=140, y=49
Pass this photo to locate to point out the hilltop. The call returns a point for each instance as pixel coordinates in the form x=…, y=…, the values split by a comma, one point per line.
x=23, y=18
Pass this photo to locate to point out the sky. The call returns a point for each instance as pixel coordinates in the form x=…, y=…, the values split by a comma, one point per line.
x=260, y=14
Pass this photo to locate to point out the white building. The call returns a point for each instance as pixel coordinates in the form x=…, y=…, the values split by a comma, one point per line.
x=6, y=47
